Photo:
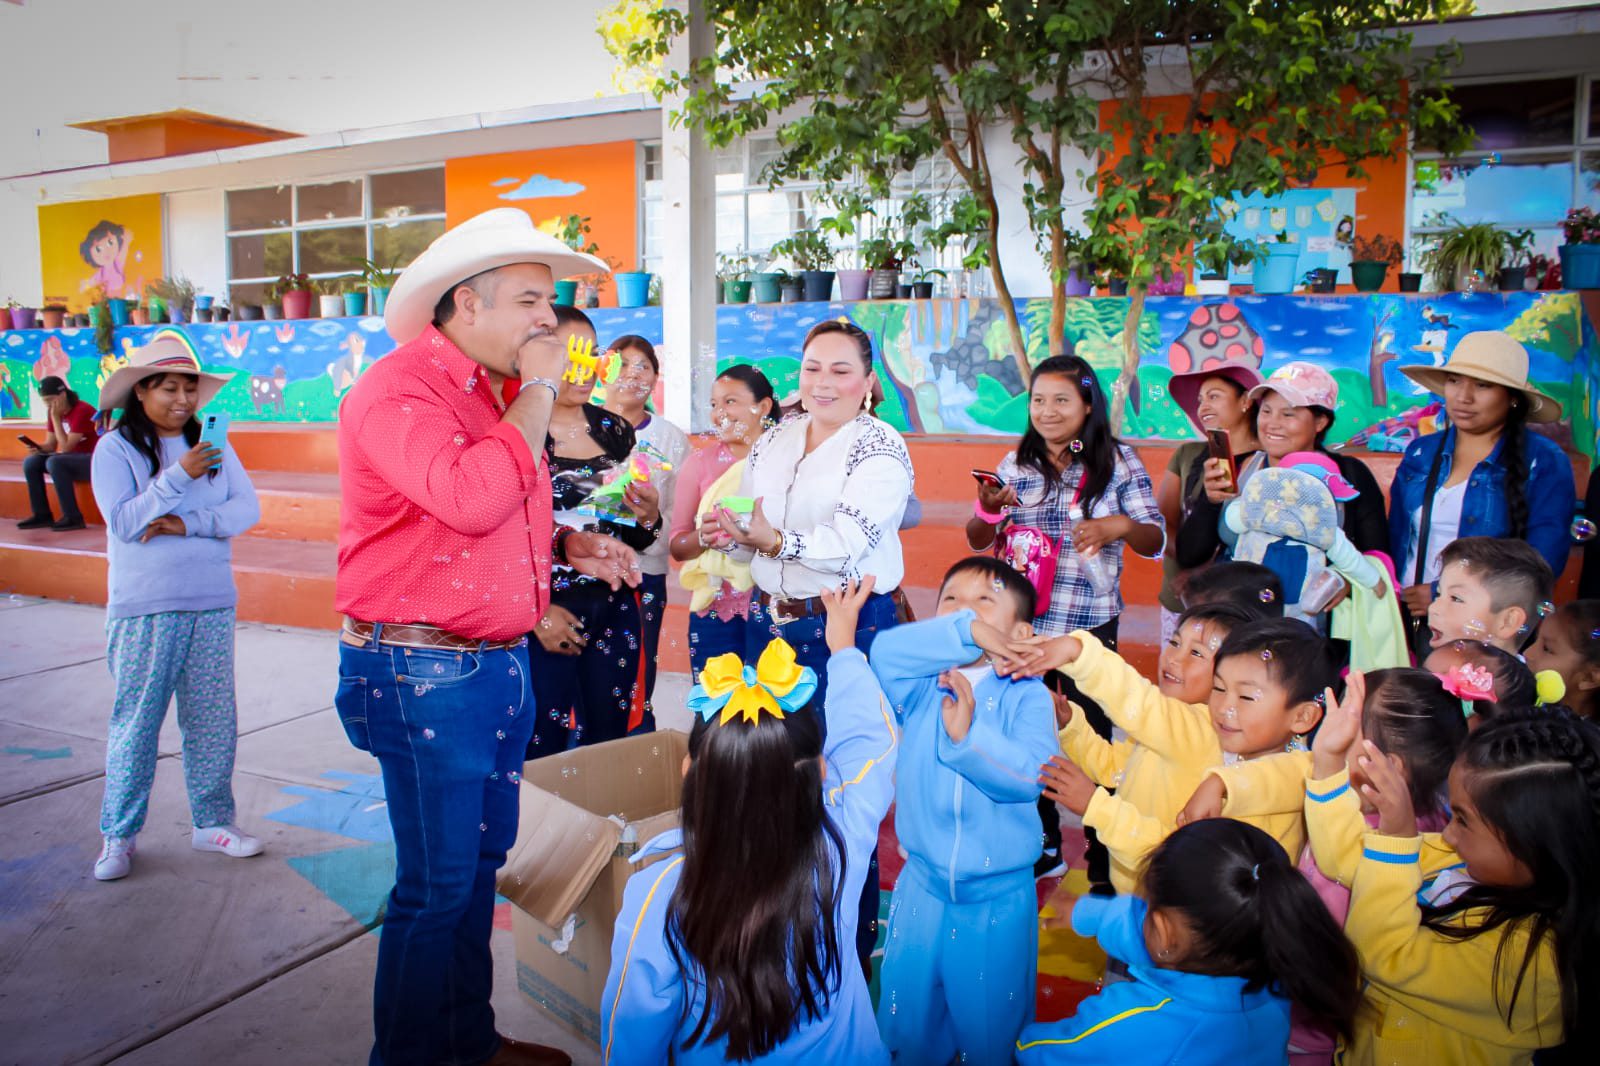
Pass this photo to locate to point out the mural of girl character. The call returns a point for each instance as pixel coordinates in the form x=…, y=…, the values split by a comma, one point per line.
x=106, y=249
x=1345, y=233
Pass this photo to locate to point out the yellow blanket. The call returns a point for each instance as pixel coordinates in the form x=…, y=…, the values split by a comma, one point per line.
x=703, y=577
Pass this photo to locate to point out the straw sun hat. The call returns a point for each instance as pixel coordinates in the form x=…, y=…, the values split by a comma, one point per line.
x=165, y=355
x=495, y=238
x=1493, y=357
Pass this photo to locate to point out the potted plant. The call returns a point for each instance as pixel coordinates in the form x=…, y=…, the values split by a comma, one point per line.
x=882, y=257
x=294, y=292
x=1275, y=264
x=173, y=293
x=51, y=315
x=245, y=311
x=791, y=290
x=1513, y=275
x=1580, y=255
x=1463, y=251
x=1370, y=260
x=812, y=255
x=573, y=231
x=352, y=295
x=633, y=288
x=1544, y=271
x=6, y=321
x=1111, y=268
x=922, y=283
x=733, y=272
x=379, y=280
x=138, y=314
x=330, y=301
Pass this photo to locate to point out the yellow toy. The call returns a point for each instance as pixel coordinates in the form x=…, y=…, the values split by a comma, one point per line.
x=583, y=364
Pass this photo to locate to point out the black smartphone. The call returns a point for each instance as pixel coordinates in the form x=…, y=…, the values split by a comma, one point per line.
x=1220, y=447
x=988, y=478
x=29, y=441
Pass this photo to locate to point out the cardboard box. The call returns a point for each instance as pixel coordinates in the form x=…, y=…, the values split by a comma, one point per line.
x=566, y=872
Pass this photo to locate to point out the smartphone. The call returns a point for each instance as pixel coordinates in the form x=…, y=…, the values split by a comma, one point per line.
x=29, y=441
x=1220, y=447
x=214, y=430
x=988, y=478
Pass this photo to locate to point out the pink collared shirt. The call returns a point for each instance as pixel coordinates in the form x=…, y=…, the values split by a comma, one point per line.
x=444, y=513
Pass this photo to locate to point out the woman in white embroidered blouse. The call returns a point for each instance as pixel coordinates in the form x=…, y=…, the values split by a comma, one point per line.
x=831, y=487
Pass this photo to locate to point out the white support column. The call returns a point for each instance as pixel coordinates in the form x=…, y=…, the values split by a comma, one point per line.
x=689, y=232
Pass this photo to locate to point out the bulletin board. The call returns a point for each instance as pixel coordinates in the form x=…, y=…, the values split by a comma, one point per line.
x=1322, y=222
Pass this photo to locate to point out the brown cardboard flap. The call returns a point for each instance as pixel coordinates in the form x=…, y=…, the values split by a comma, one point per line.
x=560, y=850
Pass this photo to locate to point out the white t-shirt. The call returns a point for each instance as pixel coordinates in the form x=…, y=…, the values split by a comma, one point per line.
x=671, y=442
x=839, y=508
x=1442, y=529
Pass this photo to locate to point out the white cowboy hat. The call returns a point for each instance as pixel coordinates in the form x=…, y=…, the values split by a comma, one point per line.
x=164, y=355
x=1492, y=356
x=495, y=238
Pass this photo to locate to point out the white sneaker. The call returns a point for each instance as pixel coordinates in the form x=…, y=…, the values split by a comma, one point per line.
x=228, y=839
x=116, y=859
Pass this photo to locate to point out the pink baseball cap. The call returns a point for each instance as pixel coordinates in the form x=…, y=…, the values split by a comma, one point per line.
x=1302, y=384
x=1324, y=469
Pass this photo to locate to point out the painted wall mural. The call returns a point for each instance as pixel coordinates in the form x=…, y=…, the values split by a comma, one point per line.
x=944, y=363
x=113, y=245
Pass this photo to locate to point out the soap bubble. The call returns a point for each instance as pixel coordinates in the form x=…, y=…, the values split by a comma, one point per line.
x=428, y=734
x=1267, y=595
x=1475, y=629
x=1075, y=447
x=500, y=734
x=1583, y=529
x=1546, y=609
x=1266, y=655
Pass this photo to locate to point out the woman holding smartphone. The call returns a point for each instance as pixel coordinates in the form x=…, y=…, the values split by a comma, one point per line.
x=1217, y=400
x=173, y=503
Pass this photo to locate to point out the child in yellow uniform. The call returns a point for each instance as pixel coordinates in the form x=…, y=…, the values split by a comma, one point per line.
x=1499, y=962
x=1265, y=688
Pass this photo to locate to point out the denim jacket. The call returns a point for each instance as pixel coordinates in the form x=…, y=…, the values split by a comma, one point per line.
x=1547, y=488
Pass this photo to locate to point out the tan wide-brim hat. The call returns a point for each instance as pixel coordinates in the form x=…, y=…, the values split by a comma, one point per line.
x=164, y=355
x=1494, y=357
x=495, y=238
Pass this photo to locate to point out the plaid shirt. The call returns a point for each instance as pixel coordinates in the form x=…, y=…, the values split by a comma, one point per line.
x=1073, y=602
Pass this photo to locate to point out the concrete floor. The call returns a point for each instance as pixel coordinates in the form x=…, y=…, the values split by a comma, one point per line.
x=197, y=958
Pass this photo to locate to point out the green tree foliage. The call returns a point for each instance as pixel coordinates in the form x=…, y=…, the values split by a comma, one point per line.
x=1268, y=95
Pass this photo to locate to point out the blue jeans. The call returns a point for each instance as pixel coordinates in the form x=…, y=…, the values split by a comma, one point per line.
x=710, y=636
x=806, y=636
x=652, y=612
x=449, y=729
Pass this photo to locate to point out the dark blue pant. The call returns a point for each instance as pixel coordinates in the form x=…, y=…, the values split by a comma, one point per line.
x=710, y=637
x=805, y=635
x=598, y=685
x=449, y=729
x=64, y=468
x=652, y=610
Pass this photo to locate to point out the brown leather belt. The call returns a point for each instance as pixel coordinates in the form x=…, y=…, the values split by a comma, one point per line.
x=358, y=634
x=788, y=610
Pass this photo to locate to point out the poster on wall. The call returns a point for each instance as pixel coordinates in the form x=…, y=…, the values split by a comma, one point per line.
x=1321, y=221
x=594, y=181
x=93, y=245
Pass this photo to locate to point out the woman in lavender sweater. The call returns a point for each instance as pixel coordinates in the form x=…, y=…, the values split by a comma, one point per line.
x=172, y=505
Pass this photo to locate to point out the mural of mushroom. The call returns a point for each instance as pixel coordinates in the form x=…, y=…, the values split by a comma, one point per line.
x=1216, y=334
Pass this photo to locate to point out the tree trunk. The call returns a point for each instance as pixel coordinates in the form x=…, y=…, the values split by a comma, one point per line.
x=1058, y=292
x=1377, y=356
x=907, y=394
x=1125, y=392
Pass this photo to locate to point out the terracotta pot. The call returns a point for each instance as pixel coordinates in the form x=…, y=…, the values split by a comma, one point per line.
x=139, y=316
x=53, y=317
x=297, y=304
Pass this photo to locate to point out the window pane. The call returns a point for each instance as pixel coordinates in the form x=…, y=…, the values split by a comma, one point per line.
x=1589, y=180
x=414, y=192
x=1523, y=190
x=260, y=255
x=258, y=208
x=730, y=223
x=248, y=293
x=400, y=242
x=1594, y=108
x=336, y=250
x=337, y=199
x=1519, y=114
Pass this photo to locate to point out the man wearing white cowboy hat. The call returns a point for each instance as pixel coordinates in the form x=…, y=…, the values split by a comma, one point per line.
x=445, y=549
x=1484, y=475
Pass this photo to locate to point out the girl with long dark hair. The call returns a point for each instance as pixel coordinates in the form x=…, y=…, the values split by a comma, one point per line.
x=172, y=504
x=734, y=940
x=1223, y=936
x=1499, y=960
x=1485, y=475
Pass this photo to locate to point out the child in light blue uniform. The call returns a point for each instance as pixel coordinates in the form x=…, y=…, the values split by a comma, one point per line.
x=1223, y=935
x=740, y=947
x=963, y=942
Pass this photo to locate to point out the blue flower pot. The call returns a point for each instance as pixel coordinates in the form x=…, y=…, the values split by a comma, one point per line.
x=380, y=297
x=1580, y=266
x=1275, y=273
x=566, y=293
x=355, y=304
x=119, y=311
x=633, y=288
x=203, y=303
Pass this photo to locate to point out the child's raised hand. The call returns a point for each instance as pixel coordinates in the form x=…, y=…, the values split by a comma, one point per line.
x=1037, y=655
x=1064, y=708
x=844, y=612
x=1066, y=784
x=1341, y=726
x=1060, y=906
x=956, y=707
x=1206, y=802
x=1386, y=787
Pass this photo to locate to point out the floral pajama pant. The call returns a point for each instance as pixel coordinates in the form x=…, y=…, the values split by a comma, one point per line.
x=153, y=657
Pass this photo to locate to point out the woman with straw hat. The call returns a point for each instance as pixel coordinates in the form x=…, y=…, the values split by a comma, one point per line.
x=172, y=503
x=1485, y=475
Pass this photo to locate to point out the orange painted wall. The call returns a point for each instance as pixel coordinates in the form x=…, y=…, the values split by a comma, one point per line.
x=1380, y=197
x=597, y=180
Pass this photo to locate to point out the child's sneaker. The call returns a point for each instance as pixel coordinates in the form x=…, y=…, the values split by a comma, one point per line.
x=116, y=859
x=228, y=839
x=1049, y=864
